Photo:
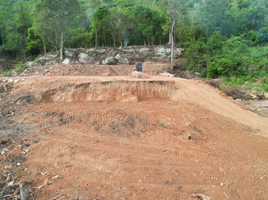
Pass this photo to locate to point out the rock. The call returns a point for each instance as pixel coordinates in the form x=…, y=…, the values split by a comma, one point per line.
x=121, y=60
x=30, y=64
x=16, y=81
x=264, y=105
x=161, y=50
x=86, y=60
x=66, y=61
x=110, y=61
x=52, y=55
x=14, y=73
x=83, y=55
x=129, y=51
x=136, y=74
x=69, y=53
x=165, y=74
x=10, y=81
x=143, y=49
x=178, y=52
x=43, y=59
x=5, y=79
x=90, y=50
x=197, y=74
x=118, y=57
x=4, y=151
x=51, y=62
x=102, y=51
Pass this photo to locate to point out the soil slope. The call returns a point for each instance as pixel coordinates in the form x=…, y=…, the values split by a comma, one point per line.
x=126, y=138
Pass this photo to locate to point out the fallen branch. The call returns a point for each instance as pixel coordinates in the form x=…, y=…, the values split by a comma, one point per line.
x=24, y=191
x=203, y=197
x=56, y=197
x=9, y=186
x=5, y=88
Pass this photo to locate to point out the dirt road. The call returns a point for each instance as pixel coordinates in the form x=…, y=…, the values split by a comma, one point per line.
x=126, y=138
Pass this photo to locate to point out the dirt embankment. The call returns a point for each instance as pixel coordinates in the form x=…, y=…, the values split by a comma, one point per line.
x=124, y=138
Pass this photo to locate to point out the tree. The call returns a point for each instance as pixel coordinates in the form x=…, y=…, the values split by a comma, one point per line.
x=144, y=21
x=60, y=17
x=94, y=5
x=5, y=17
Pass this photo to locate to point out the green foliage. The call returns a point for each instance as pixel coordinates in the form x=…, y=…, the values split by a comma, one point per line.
x=20, y=67
x=80, y=38
x=223, y=38
x=262, y=35
x=34, y=44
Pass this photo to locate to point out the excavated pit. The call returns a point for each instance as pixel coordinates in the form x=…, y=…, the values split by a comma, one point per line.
x=111, y=91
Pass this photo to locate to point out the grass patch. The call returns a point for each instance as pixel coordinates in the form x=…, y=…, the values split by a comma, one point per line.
x=19, y=68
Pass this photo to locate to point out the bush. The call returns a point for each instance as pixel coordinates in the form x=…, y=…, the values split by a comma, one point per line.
x=262, y=35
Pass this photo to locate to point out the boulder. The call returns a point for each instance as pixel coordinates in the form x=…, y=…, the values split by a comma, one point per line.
x=66, y=61
x=129, y=51
x=44, y=59
x=122, y=60
x=102, y=51
x=144, y=49
x=83, y=55
x=110, y=61
x=10, y=81
x=5, y=79
x=197, y=74
x=69, y=53
x=161, y=52
x=51, y=62
x=30, y=64
x=14, y=73
x=86, y=60
x=90, y=50
x=178, y=52
x=136, y=74
x=165, y=74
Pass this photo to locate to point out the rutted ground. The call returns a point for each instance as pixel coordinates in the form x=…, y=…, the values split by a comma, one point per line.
x=123, y=138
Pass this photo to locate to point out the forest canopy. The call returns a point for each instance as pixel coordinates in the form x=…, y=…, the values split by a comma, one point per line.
x=221, y=37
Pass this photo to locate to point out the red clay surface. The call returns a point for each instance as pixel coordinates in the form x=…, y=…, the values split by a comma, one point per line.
x=139, y=147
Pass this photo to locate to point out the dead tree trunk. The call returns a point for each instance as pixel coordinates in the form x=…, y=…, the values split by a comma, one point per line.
x=96, y=34
x=61, y=46
x=24, y=191
x=172, y=37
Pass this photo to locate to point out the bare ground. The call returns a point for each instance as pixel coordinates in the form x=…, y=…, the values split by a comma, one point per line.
x=124, y=138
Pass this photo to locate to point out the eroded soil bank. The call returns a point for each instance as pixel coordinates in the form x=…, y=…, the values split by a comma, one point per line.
x=124, y=138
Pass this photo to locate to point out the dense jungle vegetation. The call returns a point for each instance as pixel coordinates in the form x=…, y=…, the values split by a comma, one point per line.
x=222, y=38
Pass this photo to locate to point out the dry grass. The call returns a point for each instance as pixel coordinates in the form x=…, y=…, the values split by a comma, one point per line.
x=234, y=92
x=214, y=82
